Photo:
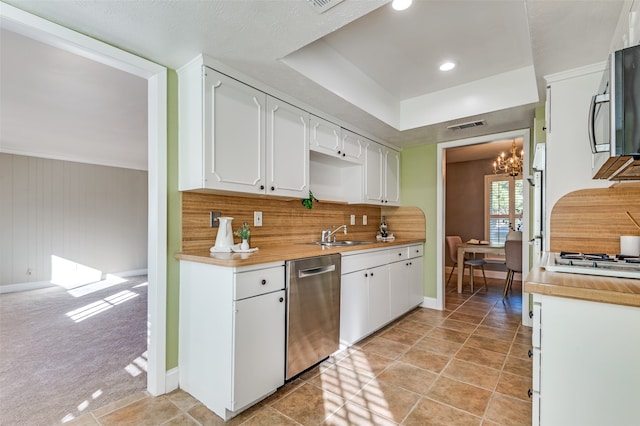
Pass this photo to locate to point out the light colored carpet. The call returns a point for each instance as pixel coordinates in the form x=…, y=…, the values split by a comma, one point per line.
x=64, y=353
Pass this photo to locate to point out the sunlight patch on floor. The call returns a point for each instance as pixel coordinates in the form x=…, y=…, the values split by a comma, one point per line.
x=95, y=308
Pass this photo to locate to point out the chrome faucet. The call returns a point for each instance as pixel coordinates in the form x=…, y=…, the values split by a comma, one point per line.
x=329, y=232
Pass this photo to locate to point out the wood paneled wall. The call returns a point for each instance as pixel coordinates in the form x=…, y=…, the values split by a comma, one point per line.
x=288, y=221
x=592, y=220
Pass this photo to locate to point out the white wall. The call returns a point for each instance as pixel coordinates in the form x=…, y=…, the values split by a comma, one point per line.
x=89, y=215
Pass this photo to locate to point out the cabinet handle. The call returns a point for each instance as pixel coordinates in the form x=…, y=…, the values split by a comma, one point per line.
x=344, y=155
x=366, y=275
x=273, y=188
x=261, y=186
x=263, y=282
x=339, y=152
x=410, y=263
x=530, y=353
x=281, y=299
x=530, y=314
x=529, y=393
x=372, y=274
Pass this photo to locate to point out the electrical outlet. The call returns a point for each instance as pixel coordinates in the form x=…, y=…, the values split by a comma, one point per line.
x=257, y=218
x=353, y=219
x=364, y=219
x=213, y=219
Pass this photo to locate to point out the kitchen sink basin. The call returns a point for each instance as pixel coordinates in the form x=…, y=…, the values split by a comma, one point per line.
x=340, y=243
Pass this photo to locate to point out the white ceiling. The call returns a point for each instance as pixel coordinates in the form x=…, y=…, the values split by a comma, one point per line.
x=394, y=92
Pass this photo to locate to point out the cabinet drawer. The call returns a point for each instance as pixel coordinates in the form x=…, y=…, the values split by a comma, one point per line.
x=359, y=262
x=400, y=253
x=261, y=281
x=416, y=251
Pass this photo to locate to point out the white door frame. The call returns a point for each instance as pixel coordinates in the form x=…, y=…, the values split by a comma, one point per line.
x=440, y=201
x=55, y=35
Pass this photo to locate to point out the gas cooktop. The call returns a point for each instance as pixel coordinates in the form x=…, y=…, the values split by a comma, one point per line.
x=619, y=265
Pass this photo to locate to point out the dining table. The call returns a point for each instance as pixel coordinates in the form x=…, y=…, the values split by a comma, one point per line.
x=497, y=249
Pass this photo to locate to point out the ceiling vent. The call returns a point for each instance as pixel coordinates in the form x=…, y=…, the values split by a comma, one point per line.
x=323, y=5
x=466, y=125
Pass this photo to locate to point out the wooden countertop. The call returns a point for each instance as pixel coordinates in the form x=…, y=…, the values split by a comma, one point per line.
x=281, y=253
x=619, y=291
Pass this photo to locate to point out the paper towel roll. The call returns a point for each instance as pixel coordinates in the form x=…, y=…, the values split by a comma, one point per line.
x=630, y=245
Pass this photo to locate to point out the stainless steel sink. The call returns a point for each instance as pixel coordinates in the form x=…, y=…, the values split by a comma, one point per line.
x=339, y=243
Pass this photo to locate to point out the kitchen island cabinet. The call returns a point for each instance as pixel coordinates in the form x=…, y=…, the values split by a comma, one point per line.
x=586, y=349
x=232, y=334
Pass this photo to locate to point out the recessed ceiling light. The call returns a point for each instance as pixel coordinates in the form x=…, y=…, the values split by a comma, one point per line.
x=401, y=4
x=447, y=66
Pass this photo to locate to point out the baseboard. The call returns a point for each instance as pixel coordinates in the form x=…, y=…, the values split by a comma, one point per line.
x=172, y=380
x=35, y=285
x=431, y=303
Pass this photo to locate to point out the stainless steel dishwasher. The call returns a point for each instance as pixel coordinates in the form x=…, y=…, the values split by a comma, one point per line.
x=313, y=311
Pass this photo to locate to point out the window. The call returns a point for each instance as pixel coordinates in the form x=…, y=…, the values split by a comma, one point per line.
x=503, y=207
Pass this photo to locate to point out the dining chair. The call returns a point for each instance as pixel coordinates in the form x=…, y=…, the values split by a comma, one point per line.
x=452, y=245
x=513, y=257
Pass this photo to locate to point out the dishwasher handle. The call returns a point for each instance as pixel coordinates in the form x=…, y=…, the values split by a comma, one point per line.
x=304, y=273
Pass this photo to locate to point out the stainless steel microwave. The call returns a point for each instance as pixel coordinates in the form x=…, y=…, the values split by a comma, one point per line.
x=614, y=115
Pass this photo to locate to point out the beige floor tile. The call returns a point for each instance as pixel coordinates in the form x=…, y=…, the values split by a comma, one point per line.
x=460, y=395
x=520, y=351
x=205, y=417
x=446, y=334
x=472, y=319
x=499, y=322
x=386, y=400
x=309, y=404
x=120, y=403
x=469, y=310
x=269, y=417
x=473, y=374
x=522, y=367
x=443, y=347
x=509, y=411
x=182, y=399
x=342, y=381
x=402, y=336
x=385, y=347
x=432, y=413
x=514, y=385
x=365, y=362
x=481, y=357
x=456, y=325
x=425, y=359
x=414, y=326
x=487, y=343
x=408, y=377
x=354, y=415
x=495, y=333
x=147, y=411
x=182, y=419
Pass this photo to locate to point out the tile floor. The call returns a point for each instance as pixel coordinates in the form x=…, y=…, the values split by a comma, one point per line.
x=467, y=365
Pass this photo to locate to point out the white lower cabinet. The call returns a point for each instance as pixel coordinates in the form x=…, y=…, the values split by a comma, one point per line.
x=232, y=334
x=586, y=362
x=376, y=288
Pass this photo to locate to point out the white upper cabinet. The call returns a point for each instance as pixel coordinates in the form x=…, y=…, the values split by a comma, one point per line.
x=381, y=175
x=235, y=138
x=287, y=149
x=330, y=139
x=234, y=135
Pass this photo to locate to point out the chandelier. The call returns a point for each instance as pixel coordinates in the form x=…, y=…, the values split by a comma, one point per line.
x=511, y=166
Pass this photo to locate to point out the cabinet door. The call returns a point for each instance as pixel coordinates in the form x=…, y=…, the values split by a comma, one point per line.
x=398, y=288
x=258, y=347
x=234, y=117
x=373, y=159
x=287, y=150
x=354, y=307
x=378, y=297
x=352, y=146
x=324, y=137
x=391, y=177
x=416, y=285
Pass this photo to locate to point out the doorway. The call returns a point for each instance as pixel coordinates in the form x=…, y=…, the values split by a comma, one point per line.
x=39, y=29
x=441, y=211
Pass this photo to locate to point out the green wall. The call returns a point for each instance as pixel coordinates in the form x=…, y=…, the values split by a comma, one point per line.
x=174, y=221
x=418, y=186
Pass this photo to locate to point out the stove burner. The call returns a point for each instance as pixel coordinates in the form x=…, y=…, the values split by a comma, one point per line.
x=619, y=265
